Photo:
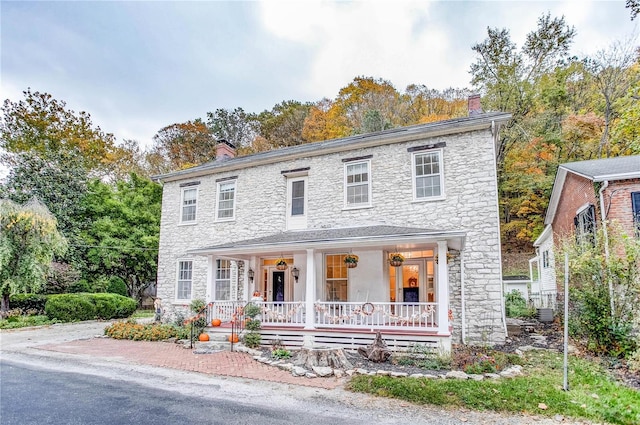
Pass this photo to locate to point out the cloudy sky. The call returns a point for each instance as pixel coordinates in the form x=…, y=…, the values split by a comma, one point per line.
x=138, y=66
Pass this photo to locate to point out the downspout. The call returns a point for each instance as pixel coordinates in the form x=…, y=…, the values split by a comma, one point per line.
x=463, y=315
x=603, y=215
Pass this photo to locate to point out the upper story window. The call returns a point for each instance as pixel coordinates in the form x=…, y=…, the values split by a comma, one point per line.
x=635, y=204
x=297, y=202
x=428, y=179
x=185, y=280
x=545, y=258
x=189, y=201
x=357, y=184
x=585, y=222
x=225, y=206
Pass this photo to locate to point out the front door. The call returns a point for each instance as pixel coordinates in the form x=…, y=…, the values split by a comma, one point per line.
x=277, y=285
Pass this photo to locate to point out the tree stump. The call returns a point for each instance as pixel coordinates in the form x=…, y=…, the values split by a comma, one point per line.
x=322, y=357
x=376, y=352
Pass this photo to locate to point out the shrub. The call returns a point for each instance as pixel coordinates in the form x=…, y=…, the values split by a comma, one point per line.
x=516, y=305
x=252, y=339
x=117, y=286
x=281, y=353
x=137, y=332
x=253, y=325
x=28, y=301
x=75, y=307
x=252, y=310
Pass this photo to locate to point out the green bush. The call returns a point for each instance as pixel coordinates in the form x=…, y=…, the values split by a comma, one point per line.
x=253, y=325
x=516, y=305
x=137, y=332
x=27, y=302
x=117, y=286
x=83, y=306
x=252, y=310
x=252, y=340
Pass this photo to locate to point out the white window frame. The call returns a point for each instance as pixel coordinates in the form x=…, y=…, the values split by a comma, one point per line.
x=218, y=192
x=182, y=205
x=218, y=280
x=347, y=185
x=179, y=280
x=298, y=221
x=331, y=282
x=414, y=177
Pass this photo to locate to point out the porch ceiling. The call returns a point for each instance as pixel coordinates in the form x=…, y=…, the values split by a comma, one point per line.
x=380, y=237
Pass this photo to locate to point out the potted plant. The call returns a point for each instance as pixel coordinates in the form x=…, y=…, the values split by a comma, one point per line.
x=351, y=260
x=281, y=264
x=396, y=259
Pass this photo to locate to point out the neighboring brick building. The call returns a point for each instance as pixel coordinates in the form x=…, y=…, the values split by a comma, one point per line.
x=585, y=195
x=428, y=191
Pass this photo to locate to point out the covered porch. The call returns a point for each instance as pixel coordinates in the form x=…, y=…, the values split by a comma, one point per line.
x=317, y=294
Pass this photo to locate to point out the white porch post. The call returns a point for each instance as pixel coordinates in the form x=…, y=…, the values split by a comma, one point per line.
x=443, y=289
x=310, y=295
x=209, y=288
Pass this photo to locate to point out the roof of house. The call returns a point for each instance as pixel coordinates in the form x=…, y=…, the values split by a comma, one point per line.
x=599, y=170
x=596, y=170
x=392, y=236
x=394, y=135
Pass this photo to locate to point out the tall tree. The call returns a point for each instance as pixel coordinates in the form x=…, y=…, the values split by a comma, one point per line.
x=283, y=125
x=183, y=145
x=122, y=239
x=235, y=126
x=29, y=240
x=45, y=125
x=507, y=77
x=325, y=122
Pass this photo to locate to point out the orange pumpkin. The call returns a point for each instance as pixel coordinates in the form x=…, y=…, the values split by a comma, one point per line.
x=203, y=337
x=234, y=339
x=216, y=322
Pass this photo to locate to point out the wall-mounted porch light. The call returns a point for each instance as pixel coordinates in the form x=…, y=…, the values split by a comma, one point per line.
x=296, y=273
x=251, y=274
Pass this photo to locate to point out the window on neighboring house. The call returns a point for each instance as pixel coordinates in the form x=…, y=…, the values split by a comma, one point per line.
x=635, y=203
x=585, y=222
x=545, y=258
x=225, y=208
x=357, y=186
x=427, y=175
x=189, y=200
x=336, y=278
x=185, y=279
x=223, y=280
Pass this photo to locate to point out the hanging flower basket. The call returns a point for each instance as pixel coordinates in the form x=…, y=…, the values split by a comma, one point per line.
x=351, y=261
x=281, y=264
x=396, y=259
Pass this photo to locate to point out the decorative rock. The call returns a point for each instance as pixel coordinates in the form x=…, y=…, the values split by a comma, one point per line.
x=322, y=371
x=526, y=348
x=559, y=418
x=431, y=376
x=286, y=366
x=310, y=375
x=338, y=373
x=512, y=372
x=349, y=372
x=399, y=374
x=298, y=371
x=456, y=374
x=362, y=371
x=383, y=373
x=475, y=377
x=416, y=375
x=492, y=375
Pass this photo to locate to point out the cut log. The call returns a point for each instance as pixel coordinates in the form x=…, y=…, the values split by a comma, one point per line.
x=376, y=352
x=322, y=357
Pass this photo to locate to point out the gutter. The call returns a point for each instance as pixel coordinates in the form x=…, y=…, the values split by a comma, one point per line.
x=603, y=216
x=463, y=315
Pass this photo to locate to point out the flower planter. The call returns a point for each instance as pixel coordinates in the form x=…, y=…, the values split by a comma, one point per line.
x=351, y=265
x=395, y=263
x=281, y=266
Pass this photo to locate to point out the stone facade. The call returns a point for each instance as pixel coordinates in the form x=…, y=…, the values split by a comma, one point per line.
x=470, y=205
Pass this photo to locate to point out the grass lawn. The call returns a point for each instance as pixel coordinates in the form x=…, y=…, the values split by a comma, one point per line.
x=592, y=394
x=142, y=314
x=15, y=322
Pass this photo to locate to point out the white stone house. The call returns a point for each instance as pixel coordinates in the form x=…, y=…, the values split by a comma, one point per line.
x=427, y=191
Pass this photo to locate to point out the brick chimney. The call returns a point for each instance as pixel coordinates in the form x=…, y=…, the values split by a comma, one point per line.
x=473, y=105
x=225, y=150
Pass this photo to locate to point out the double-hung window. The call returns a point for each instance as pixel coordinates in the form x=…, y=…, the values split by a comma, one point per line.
x=225, y=206
x=585, y=223
x=428, y=178
x=336, y=278
x=185, y=280
x=635, y=204
x=357, y=184
x=223, y=280
x=189, y=203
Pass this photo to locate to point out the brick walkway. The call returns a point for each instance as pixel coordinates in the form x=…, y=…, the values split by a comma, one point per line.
x=174, y=356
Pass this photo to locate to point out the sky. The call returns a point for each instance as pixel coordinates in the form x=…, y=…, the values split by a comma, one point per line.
x=137, y=66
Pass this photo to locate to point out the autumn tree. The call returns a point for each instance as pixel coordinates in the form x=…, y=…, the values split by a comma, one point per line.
x=283, y=125
x=182, y=145
x=235, y=126
x=29, y=240
x=45, y=125
x=422, y=104
x=325, y=122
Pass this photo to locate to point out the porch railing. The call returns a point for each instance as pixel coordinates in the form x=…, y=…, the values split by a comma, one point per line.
x=378, y=315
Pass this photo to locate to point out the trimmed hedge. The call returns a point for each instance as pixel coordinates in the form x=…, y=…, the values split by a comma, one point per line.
x=83, y=306
x=27, y=302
